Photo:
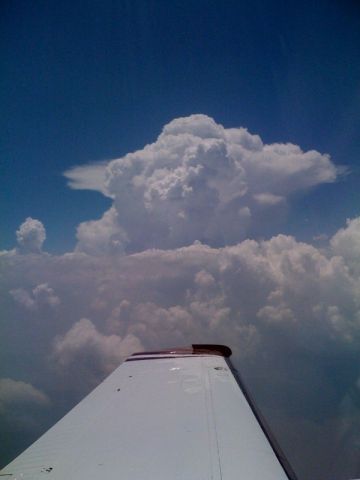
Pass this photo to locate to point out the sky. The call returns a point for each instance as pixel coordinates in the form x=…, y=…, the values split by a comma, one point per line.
x=177, y=173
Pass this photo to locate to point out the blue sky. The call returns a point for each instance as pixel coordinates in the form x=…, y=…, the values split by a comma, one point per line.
x=211, y=234
x=88, y=81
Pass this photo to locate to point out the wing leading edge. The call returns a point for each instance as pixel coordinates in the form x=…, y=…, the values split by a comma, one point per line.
x=175, y=414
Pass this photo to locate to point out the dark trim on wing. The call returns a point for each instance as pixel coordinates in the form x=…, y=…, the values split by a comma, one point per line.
x=196, y=349
x=211, y=349
x=263, y=424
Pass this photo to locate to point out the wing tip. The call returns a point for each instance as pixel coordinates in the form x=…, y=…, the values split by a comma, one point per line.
x=213, y=349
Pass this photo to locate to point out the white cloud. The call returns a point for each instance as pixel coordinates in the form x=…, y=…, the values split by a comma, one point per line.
x=201, y=181
x=98, y=237
x=268, y=199
x=198, y=125
x=30, y=236
x=276, y=314
x=21, y=296
x=243, y=295
x=41, y=295
x=84, y=347
x=346, y=243
x=204, y=279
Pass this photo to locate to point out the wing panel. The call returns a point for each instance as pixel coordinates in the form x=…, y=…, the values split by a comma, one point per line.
x=164, y=417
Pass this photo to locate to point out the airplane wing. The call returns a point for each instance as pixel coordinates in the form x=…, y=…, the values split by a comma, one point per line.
x=180, y=414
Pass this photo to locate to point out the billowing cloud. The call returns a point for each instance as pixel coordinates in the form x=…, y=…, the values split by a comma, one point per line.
x=98, y=237
x=88, y=351
x=21, y=296
x=41, y=295
x=30, y=236
x=200, y=181
x=346, y=242
x=243, y=294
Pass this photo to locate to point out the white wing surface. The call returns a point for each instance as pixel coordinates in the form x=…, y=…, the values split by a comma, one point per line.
x=175, y=415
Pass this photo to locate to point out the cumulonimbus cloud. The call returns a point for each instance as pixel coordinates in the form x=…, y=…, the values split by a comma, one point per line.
x=197, y=181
